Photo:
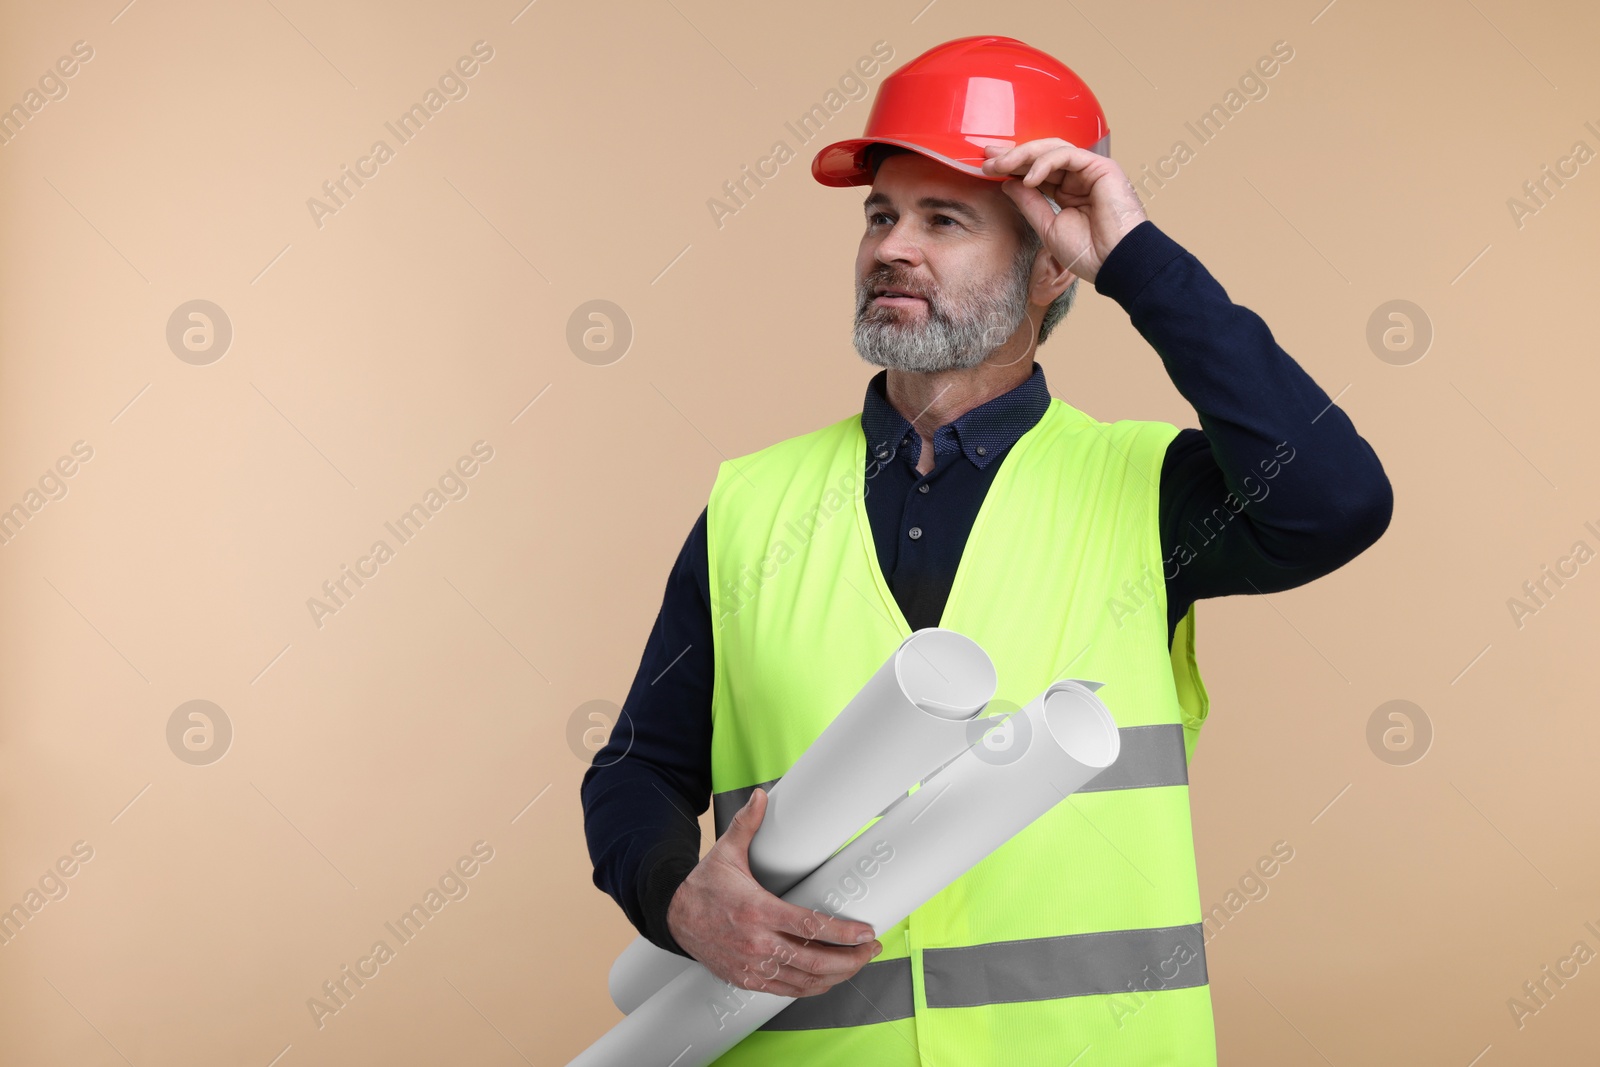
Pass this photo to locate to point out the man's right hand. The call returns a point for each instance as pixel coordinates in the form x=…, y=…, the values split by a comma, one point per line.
x=746, y=936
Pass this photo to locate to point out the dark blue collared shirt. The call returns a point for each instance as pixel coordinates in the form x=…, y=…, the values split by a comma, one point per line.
x=920, y=521
x=1308, y=495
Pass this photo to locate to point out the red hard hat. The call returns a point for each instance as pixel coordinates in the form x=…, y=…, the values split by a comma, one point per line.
x=961, y=95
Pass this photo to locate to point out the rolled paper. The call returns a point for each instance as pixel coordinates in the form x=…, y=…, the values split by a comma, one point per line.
x=914, y=714
x=640, y=971
x=961, y=814
x=910, y=717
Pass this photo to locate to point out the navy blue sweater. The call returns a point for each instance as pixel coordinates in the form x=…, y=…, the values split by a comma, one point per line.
x=1274, y=490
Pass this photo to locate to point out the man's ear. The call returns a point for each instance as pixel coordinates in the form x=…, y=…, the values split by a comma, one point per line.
x=1050, y=279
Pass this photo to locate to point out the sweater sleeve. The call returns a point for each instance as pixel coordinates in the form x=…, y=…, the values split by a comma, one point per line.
x=1276, y=488
x=645, y=789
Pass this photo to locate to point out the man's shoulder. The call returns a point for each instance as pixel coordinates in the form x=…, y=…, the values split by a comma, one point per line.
x=791, y=450
x=1070, y=420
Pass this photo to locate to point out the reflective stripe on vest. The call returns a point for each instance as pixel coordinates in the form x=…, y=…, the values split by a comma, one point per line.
x=880, y=992
x=1150, y=756
x=1068, y=965
x=1008, y=972
x=1092, y=913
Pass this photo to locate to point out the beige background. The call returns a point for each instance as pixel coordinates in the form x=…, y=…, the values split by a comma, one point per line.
x=435, y=709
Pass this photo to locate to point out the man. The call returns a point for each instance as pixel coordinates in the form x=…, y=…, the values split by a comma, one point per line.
x=964, y=495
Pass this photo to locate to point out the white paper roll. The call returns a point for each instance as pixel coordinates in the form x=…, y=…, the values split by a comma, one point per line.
x=913, y=715
x=910, y=717
x=961, y=814
x=640, y=971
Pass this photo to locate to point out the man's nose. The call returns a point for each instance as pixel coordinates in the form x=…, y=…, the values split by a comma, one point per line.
x=898, y=246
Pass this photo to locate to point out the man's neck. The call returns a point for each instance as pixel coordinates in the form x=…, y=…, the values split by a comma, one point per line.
x=933, y=399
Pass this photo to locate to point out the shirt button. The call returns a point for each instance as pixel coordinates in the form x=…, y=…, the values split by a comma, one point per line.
x=883, y=453
x=923, y=488
x=980, y=450
x=914, y=533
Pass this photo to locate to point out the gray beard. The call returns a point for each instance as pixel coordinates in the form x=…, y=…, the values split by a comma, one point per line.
x=955, y=334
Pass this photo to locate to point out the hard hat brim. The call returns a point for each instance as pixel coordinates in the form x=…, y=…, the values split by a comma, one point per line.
x=844, y=163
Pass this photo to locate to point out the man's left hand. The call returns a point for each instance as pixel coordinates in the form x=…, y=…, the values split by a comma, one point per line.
x=1098, y=202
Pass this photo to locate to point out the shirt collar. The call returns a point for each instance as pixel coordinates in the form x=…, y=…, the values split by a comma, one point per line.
x=981, y=434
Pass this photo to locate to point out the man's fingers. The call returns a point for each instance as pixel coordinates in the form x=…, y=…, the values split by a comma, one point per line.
x=1031, y=202
x=808, y=925
x=778, y=987
x=1056, y=176
x=1013, y=160
x=765, y=981
x=745, y=823
x=798, y=970
x=1020, y=159
x=830, y=960
x=1051, y=165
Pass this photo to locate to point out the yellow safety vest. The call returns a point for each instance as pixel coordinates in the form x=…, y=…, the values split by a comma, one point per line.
x=1078, y=941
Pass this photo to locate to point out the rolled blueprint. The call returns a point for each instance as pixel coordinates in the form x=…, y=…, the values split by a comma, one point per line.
x=913, y=715
x=922, y=843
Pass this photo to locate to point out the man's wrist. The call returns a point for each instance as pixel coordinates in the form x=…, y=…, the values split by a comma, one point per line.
x=1141, y=254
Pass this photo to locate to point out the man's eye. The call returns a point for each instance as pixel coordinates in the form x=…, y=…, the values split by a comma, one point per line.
x=872, y=220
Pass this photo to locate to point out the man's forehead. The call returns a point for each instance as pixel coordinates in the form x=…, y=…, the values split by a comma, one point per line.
x=908, y=177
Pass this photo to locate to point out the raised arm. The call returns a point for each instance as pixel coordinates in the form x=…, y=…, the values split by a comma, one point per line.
x=1277, y=488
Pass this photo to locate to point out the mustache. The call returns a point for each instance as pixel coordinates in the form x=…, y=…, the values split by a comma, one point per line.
x=870, y=285
x=894, y=281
